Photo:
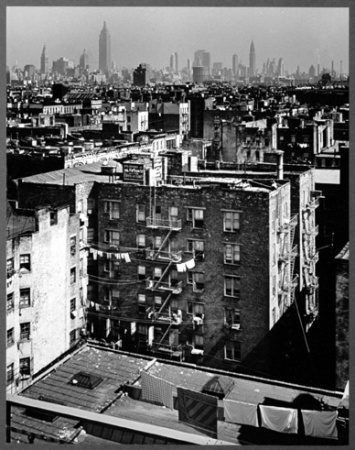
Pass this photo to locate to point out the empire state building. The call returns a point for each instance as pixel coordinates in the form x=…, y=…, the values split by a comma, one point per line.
x=252, y=60
x=104, y=49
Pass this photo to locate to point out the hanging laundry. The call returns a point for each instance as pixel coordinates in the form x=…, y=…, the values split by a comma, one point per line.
x=240, y=412
x=94, y=254
x=108, y=255
x=282, y=420
x=100, y=253
x=127, y=258
x=157, y=390
x=181, y=267
x=190, y=264
x=320, y=424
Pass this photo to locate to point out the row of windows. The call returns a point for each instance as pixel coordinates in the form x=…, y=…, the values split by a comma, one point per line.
x=25, y=299
x=25, y=334
x=231, y=251
x=231, y=219
x=197, y=279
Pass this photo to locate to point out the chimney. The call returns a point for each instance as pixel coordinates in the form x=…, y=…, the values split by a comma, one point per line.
x=280, y=165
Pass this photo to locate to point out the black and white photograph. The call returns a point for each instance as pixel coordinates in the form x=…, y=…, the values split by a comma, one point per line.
x=177, y=224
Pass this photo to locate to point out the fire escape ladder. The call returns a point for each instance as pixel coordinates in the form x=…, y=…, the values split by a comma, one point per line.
x=156, y=252
x=163, y=275
x=164, y=335
x=164, y=304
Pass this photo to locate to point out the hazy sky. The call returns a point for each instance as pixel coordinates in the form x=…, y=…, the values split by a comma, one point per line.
x=301, y=36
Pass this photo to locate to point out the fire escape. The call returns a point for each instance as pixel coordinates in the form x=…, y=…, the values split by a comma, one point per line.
x=166, y=344
x=309, y=233
x=288, y=281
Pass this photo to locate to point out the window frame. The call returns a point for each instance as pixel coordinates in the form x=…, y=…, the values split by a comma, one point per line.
x=26, y=265
x=140, y=210
x=112, y=208
x=25, y=331
x=235, y=353
x=10, y=337
x=73, y=304
x=25, y=366
x=27, y=303
x=235, y=222
x=10, y=373
x=72, y=275
x=233, y=261
x=10, y=299
x=109, y=237
x=235, y=293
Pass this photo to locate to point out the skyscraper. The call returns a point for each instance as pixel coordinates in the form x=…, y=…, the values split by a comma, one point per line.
x=44, y=61
x=235, y=65
x=83, y=63
x=104, y=49
x=252, y=60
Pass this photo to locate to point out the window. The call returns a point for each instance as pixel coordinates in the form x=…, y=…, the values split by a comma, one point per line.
x=91, y=205
x=115, y=294
x=231, y=221
x=81, y=268
x=72, y=304
x=231, y=253
x=190, y=277
x=231, y=286
x=197, y=309
x=10, y=373
x=198, y=342
x=25, y=262
x=232, y=350
x=141, y=272
x=112, y=237
x=25, y=297
x=10, y=267
x=141, y=241
x=157, y=273
x=157, y=210
x=25, y=366
x=73, y=245
x=141, y=298
x=90, y=234
x=53, y=217
x=142, y=331
x=113, y=209
x=72, y=337
x=25, y=331
x=195, y=247
x=157, y=300
x=232, y=317
x=196, y=216
x=198, y=281
x=72, y=275
x=10, y=337
x=174, y=277
x=140, y=213
x=157, y=242
x=173, y=212
x=81, y=234
x=10, y=302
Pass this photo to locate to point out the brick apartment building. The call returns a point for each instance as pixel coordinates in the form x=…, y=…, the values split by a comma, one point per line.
x=200, y=269
x=45, y=287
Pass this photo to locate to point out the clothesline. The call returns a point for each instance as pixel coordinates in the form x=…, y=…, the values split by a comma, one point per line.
x=111, y=255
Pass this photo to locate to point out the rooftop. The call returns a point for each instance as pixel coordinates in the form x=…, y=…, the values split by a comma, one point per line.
x=117, y=370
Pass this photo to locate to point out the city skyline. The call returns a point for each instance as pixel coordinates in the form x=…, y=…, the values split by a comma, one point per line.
x=288, y=31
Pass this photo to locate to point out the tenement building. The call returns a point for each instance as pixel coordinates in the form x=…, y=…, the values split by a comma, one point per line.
x=199, y=269
x=45, y=287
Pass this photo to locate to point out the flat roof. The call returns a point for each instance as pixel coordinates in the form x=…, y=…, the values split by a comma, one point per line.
x=117, y=369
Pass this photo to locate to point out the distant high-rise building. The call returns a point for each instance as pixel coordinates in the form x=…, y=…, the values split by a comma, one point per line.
x=44, y=61
x=104, y=49
x=235, y=65
x=29, y=70
x=312, y=72
x=252, y=68
x=84, y=60
x=174, y=62
x=189, y=64
x=281, y=68
x=172, y=57
x=202, y=59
